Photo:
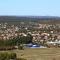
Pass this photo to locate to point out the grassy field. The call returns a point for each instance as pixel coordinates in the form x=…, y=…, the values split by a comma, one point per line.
x=39, y=54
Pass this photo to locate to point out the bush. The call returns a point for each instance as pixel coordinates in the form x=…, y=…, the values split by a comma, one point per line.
x=7, y=56
x=20, y=47
x=21, y=59
x=12, y=56
x=4, y=56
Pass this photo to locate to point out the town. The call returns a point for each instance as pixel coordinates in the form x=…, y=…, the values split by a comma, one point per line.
x=47, y=35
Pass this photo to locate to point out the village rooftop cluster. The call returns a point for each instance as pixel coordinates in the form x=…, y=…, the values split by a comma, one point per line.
x=43, y=34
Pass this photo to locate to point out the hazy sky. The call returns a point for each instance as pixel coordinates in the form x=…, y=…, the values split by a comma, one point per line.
x=30, y=7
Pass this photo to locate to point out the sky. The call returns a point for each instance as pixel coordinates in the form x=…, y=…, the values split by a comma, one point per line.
x=30, y=7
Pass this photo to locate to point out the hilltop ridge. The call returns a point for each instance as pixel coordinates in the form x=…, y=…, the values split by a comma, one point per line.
x=48, y=19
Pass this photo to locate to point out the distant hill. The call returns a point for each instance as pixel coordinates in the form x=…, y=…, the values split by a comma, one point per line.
x=47, y=19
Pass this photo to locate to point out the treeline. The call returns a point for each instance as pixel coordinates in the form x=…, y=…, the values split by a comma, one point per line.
x=15, y=41
x=42, y=19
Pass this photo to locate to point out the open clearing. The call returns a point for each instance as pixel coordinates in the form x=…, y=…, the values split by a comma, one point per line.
x=38, y=53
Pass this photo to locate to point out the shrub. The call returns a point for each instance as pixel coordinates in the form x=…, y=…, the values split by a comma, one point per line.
x=7, y=56
x=12, y=56
x=20, y=47
x=21, y=59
